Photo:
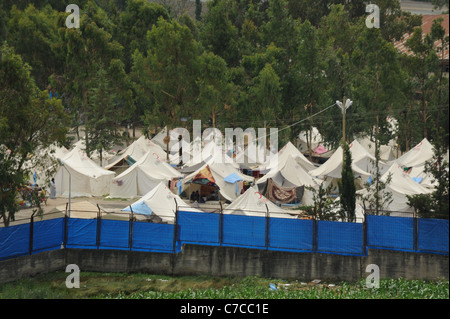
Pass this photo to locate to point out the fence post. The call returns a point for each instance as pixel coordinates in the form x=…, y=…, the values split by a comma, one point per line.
x=175, y=226
x=314, y=233
x=66, y=228
x=131, y=228
x=267, y=228
x=415, y=231
x=99, y=228
x=364, y=233
x=32, y=230
x=220, y=224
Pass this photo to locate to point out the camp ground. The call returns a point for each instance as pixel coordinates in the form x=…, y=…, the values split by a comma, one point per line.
x=288, y=181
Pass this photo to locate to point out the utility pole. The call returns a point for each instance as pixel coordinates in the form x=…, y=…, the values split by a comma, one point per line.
x=344, y=106
x=344, y=100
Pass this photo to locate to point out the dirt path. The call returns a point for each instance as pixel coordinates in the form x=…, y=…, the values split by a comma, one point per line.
x=86, y=207
x=83, y=207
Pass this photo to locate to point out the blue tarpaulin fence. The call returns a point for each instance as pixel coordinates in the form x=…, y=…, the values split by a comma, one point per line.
x=291, y=234
x=114, y=234
x=82, y=233
x=433, y=235
x=198, y=228
x=389, y=232
x=14, y=241
x=48, y=235
x=378, y=232
x=153, y=237
x=244, y=231
x=340, y=238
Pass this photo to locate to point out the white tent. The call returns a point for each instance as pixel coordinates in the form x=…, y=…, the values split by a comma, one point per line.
x=289, y=150
x=252, y=155
x=415, y=160
x=363, y=164
x=95, y=154
x=186, y=157
x=418, y=174
x=387, y=153
x=57, y=152
x=160, y=201
x=296, y=176
x=305, y=137
x=173, y=134
x=401, y=184
x=143, y=176
x=417, y=156
x=210, y=153
x=44, y=161
x=136, y=151
x=87, y=178
x=224, y=175
x=253, y=203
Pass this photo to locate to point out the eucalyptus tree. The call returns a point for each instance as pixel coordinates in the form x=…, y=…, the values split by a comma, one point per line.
x=166, y=77
x=216, y=91
x=311, y=66
x=218, y=34
x=85, y=49
x=266, y=96
x=33, y=34
x=423, y=66
x=110, y=106
x=29, y=121
x=136, y=20
x=337, y=36
x=378, y=90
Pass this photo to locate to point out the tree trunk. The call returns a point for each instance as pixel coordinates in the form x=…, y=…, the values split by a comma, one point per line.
x=344, y=100
x=168, y=143
x=86, y=131
x=424, y=116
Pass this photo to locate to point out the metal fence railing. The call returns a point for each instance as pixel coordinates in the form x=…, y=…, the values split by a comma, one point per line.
x=249, y=229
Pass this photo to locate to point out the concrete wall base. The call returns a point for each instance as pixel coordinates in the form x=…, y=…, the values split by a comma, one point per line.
x=232, y=261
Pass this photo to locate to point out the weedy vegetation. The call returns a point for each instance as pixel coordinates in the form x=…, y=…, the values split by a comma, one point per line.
x=145, y=286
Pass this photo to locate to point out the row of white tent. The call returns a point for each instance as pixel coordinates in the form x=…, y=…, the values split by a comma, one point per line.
x=289, y=168
x=141, y=170
x=83, y=177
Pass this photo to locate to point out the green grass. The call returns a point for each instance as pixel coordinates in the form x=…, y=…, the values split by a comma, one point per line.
x=145, y=286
